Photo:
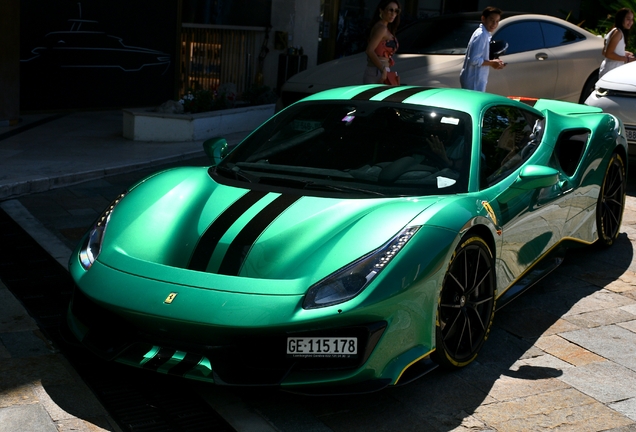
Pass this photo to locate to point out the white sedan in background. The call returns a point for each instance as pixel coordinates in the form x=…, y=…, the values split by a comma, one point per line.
x=547, y=57
x=615, y=93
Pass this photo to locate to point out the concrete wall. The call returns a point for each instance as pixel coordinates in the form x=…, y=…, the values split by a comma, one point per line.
x=300, y=19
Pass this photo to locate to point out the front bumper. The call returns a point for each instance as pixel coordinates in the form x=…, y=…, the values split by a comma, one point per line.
x=622, y=106
x=243, y=360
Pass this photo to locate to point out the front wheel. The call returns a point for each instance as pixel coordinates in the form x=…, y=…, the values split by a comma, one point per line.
x=588, y=87
x=466, y=304
x=611, y=202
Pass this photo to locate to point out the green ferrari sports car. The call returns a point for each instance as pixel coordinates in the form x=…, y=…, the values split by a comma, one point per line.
x=356, y=240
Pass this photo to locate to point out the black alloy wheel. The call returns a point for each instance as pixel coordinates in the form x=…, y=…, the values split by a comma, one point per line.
x=611, y=201
x=466, y=305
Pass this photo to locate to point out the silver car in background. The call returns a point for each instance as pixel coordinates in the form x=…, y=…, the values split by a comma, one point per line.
x=547, y=57
x=615, y=93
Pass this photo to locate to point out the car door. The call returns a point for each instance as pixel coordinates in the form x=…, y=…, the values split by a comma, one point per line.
x=529, y=221
x=532, y=69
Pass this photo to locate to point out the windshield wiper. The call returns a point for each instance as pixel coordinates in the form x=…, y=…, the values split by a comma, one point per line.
x=236, y=173
x=340, y=188
x=312, y=185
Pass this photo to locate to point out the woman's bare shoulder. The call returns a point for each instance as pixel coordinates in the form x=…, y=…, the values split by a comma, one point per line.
x=379, y=27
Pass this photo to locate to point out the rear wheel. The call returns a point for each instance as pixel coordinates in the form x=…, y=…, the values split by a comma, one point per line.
x=611, y=201
x=466, y=304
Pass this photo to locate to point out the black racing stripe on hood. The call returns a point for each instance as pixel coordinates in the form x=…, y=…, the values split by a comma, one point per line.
x=203, y=252
x=401, y=95
x=368, y=94
x=240, y=247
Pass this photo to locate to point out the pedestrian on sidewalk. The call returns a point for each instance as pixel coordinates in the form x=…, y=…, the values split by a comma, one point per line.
x=382, y=43
x=474, y=73
x=615, y=40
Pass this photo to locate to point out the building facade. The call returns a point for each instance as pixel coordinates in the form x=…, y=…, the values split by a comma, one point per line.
x=117, y=53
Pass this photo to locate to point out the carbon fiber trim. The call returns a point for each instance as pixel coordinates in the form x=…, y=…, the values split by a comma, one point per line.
x=189, y=362
x=163, y=356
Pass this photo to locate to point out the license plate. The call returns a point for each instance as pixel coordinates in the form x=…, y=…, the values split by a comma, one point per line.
x=631, y=134
x=322, y=347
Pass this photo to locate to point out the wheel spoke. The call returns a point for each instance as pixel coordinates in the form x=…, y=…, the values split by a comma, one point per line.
x=469, y=328
x=458, y=344
x=477, y=285
x=459, y=284
x=479, y=319
x=476, y=271
x=449, y=330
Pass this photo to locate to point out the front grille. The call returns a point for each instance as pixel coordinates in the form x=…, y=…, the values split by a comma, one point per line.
x=246, y=360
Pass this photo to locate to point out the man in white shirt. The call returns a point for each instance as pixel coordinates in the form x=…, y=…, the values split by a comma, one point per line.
x=474, y=74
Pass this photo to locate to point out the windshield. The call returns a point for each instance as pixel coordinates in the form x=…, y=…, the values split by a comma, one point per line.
x=437, y=36
x=361, y=148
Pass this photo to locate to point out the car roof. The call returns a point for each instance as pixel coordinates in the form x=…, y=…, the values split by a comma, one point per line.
x=541, y=17
x=506, y=17
x=450, y=98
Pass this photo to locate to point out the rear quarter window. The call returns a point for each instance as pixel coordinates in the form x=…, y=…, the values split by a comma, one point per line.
x=555, y=35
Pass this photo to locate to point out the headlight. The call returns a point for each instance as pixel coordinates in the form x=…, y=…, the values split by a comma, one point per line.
x=601, y=92
x=349, y=281
x=93, y=245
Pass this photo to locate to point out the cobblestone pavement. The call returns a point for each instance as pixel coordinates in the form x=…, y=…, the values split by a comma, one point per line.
x=561, y=357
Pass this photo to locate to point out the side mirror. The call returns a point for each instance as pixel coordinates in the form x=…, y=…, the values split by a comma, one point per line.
x=530, y=178
x=536, y=177
x=497, y=48
x=216, y=149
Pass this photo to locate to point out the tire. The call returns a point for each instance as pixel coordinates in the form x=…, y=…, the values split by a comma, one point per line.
x=588, y=87
x=466, y=304
x=611, y=202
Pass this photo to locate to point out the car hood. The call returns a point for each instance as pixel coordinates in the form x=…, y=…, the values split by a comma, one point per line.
x=413, y=69
x=622, y=79
x=171, y=222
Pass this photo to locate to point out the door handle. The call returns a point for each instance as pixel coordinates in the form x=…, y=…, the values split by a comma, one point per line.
x=541, y=56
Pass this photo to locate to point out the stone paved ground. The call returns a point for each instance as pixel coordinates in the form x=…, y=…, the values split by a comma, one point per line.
x=39, y=390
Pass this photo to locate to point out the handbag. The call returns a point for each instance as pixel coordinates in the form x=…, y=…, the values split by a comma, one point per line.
x=392, y=78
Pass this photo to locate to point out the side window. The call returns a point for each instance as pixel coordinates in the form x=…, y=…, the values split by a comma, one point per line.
x=556, y=35
x=521, y=36
x=507, y=140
